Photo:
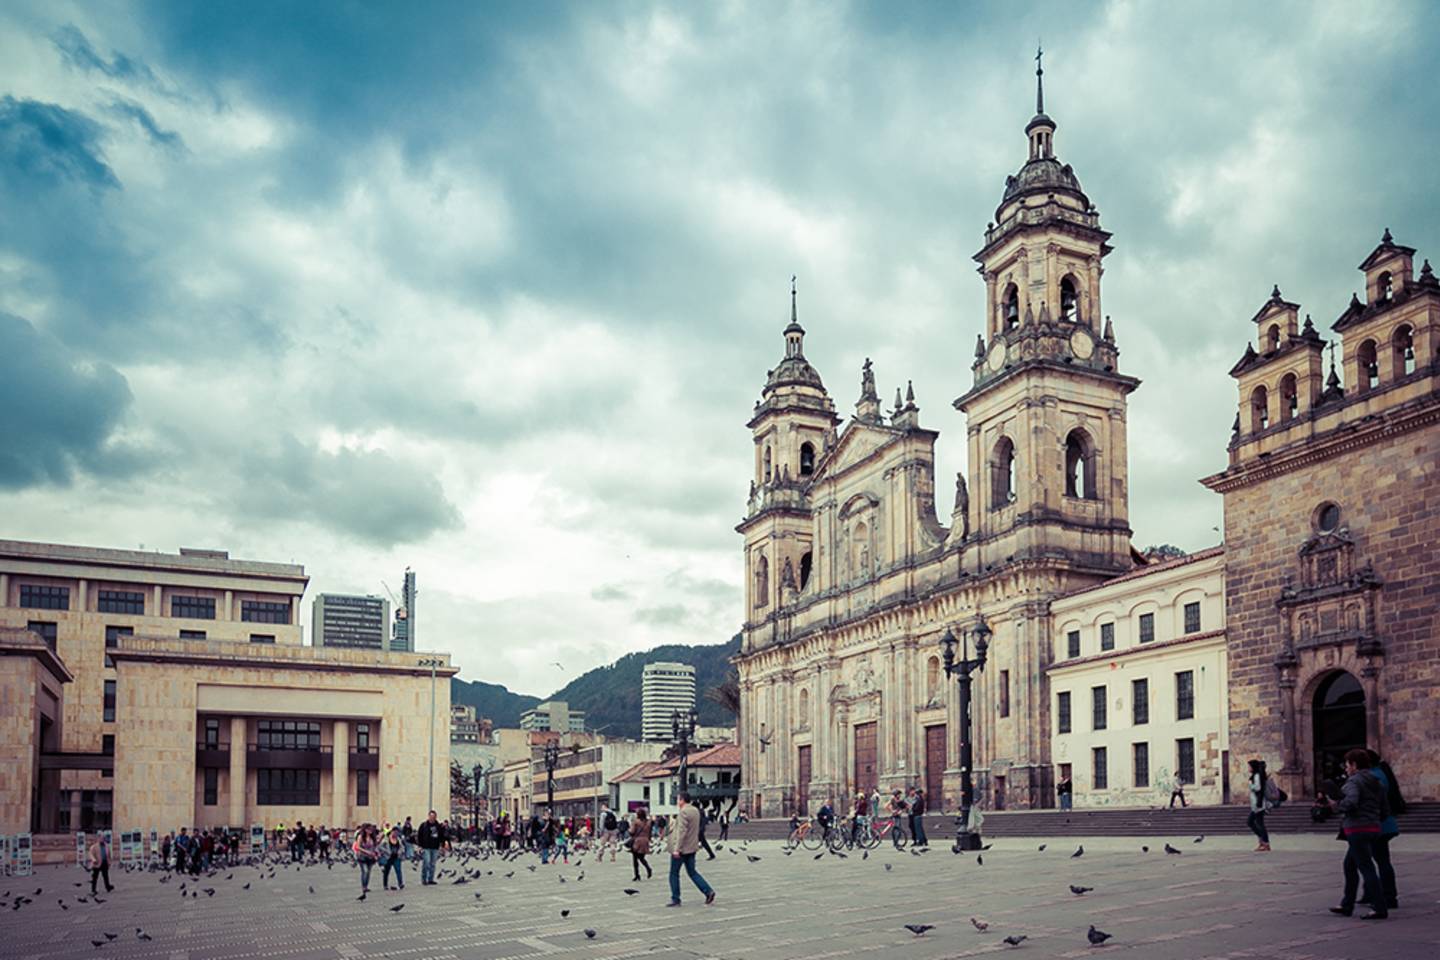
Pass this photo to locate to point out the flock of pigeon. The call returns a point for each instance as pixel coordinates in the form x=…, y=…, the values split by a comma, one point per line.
x=469, y=866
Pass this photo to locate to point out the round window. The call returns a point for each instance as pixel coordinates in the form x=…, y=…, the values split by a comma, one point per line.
x=1327, y=518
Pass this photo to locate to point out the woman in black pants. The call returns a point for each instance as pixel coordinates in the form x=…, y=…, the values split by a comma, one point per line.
x=640, y=843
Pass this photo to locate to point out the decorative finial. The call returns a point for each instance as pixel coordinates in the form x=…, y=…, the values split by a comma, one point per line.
x=1109, y=330
x=1275, y=293
x=1039, y=79
x=1333, y=380
x=1309, y=329
x=792, y=299
x=897, y=399
x=1425, y=271
x=1386, y=238
x=909, y=392
x=979, y=345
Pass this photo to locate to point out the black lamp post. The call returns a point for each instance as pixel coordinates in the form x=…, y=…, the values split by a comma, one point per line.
x=482, y=775
x=966, y=838
x=683, y=726
x=552, y=757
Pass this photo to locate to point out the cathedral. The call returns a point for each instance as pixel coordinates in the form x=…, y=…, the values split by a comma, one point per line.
x=853, y=579
x=1321, y=629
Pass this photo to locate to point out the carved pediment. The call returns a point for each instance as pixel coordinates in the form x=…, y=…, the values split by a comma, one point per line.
x=1330, y=600
x=858, y=442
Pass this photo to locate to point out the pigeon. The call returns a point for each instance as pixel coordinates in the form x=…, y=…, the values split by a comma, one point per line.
x=1097, y=937
x=312, y=891
x=863, y=856
x=820, y=854
x=361, y=897
x=987, y=846
x=752, y=858
x=1144, y=849
x=110, y=936
x=919, y=928
x=1199, y=839
x=1079, y=852
x=589, y=934
x=980, y=925
x=1170, y=849
x=630, y=891
x=142, y=935
x=97, y=944
x=397, y=908
x=564, y=913
x=510, y=874
x=531, y=868
x=62, y=905
x=1014, y=941
x=1042, y=848
x=979, y=860
x=246, y=887
x=889, y=867
x=1080, y=891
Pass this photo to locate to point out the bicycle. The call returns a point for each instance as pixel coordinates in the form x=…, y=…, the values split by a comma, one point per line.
x=806, y=836
x=881, y=827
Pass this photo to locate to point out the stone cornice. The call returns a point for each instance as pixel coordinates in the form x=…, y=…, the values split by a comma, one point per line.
x=1208, y=638
x=213, y=653
x=27, y=643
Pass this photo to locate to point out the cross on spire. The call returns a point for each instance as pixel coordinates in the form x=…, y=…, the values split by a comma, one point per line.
x=1039, y=79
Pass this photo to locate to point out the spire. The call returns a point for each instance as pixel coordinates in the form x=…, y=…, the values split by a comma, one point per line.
x=792, y=301
x=794, y=334
x=909, y=393
x=1039, y=79
x=867, y=408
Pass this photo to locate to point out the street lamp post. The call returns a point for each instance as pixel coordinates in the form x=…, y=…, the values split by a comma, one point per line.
x=683, y=726
x=432, y=663
x=552, y=757
x=966, y=838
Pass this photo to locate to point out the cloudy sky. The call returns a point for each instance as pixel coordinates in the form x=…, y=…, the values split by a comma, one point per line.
x=490, y=290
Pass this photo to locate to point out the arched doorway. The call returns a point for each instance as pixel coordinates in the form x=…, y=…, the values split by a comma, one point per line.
x=1339, y=717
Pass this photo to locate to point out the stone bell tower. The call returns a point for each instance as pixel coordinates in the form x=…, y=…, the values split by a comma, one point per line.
x=1048, y=470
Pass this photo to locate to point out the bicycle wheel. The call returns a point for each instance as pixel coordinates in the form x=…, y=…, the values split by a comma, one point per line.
x=837, y=840
x=897, y=837
x=869, y=839
x=814, y=839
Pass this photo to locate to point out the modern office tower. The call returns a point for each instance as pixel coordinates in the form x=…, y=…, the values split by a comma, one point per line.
x=343, y=620
x=665, y=688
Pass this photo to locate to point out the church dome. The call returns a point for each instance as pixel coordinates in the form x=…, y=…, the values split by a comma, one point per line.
x=1043, y=175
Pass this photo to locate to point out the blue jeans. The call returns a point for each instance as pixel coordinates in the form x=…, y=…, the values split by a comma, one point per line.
x=1360, y=863
x=399, y=873
x=1066, y=800
x=917, y=829
x=688, y=861
x=427, y=865
x=365, y=867
x=1256, y=822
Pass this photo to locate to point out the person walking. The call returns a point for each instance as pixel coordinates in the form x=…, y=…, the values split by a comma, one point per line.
x=392, y=855
x=917, y=817
x=367, y=851
x=684, y=843
x=704, y=822
x=724, y=826
x=1065, y=790
x=99, y=861
x=640, y=843
x=430, y=837
x=1177, y=792
x=609, y=827
x=1258, y=804
x=325, y=844
x=1363, y=807
x=1389, y=830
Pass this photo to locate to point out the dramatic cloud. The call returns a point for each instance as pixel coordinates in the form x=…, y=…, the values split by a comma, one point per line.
x=491, y=291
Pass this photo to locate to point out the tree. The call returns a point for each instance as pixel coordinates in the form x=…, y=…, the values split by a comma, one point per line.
x=726, y=693
x=1164, y=551
x=461, y=787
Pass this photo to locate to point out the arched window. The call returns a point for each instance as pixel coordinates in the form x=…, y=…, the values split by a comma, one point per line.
x=806, y=564
x=1080, y=465
x=1385, y=285
x=1069, y=300
x=1289, y=398
x=1272, y=337
x=1369, y=366
x=762, y=581
x=1259, y=409
x=1404, y=346
x=1011, y=307
x=767, y=464
x=860, y=544
x=803, y=712
x=1002, y=474
x=807, y=459
x=932, y=679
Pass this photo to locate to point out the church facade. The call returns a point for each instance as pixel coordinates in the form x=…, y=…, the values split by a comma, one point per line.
x=852, y=578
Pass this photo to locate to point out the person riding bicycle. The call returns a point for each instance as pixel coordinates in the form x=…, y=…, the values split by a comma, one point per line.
x=826, y=818
x=860, y=816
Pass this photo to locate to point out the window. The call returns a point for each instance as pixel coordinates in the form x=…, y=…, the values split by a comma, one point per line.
x=1004, y=693
x=1072, y=643
x=1139, y=702
x=296, y=788
x=1185, y=695
x=807, y=459
x=192, y=634
x=1097, y=708
x=1107, y=636
x=212, y=786
x=1147, y=627
x=121, y=601
x=212, y=734
x=1404, y=344
x=362, y=737
x=767, y=464
x=192, y=608
x=362, y=788
x=43, y=597
x=262, y=638
x=1369, y=367
x=1011, y=308
x=1099, y=763
x=1080, y=465
x=762, y=581
x=1185, y=760
x=1272, y=338
x=265, y=611
x=1142, y=764
x=48, y=632
x=1002, y=474
x=1327, y=518
x=107, y=744
x=1259, y=409
x=112, y=640
x=288, y=735
x=1192, y=617
x=1385, y=285
x=1069, y=300
x=109, y=715
x=807, y=563
x=1289, y=398
x=1062, y=711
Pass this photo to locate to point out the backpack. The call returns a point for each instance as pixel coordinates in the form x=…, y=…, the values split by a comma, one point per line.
x=609, y=821
x=1274, y=796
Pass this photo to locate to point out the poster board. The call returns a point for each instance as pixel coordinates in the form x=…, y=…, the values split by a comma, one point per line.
x=257, y=839
x=21, y=855
x=154, y=846
x=4, y=855
x=80, y=848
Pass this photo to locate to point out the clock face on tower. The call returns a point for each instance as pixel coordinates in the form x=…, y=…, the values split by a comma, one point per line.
x=1082, y=344
x=996, y=360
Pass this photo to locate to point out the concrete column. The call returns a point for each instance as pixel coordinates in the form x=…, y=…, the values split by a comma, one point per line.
x=340, y=782
x=228, y=611
x=5, y=602
x=238, y=749
x=82, y=595
x=159, y=602
x=295, y=612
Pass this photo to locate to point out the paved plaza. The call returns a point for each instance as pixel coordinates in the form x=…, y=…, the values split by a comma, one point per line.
x=1215, y=900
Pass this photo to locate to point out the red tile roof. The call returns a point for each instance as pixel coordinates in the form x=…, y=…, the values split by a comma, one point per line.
x=720, y=755
x=636, y=773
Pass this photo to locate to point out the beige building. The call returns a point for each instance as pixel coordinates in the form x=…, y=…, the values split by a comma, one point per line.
x=1138, y=685
x=553, y=715
x=190, y=680
x=852, y=578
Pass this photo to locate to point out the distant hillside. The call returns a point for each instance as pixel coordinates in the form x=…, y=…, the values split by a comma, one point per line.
x=610, y=696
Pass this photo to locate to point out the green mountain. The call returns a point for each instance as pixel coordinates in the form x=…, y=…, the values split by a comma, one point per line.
x=610, y=695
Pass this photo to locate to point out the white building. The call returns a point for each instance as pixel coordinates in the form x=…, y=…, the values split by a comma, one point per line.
x=664, y=689
x=554, y=716
x=1138, y=685
x=712, y=777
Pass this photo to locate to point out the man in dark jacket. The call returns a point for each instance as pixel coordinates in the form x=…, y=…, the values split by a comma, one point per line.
x=1363, y=807
x=429, y=837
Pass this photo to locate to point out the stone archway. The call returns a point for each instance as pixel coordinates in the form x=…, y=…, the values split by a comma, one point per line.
x=1338, y=723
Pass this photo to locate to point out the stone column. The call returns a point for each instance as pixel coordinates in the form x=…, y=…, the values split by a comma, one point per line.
x=340, y=775
x=5, y=602
x=227, y=612
x=238, y=754
x=159, y=604
x=82, y=595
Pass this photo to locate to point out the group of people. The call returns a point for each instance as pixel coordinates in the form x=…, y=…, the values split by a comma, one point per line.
x=909, y=804
x=1366, y=801
x=393, y=845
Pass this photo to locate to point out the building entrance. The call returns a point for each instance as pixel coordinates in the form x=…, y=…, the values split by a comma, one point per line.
x=1339, y=716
